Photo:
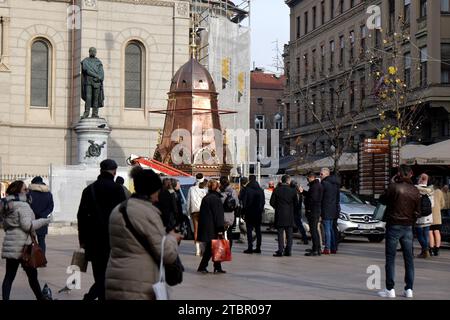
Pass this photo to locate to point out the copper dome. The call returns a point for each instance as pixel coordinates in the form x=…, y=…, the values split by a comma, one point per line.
x=192, y=77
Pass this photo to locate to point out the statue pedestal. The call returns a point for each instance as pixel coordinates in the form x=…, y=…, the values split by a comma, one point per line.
x=92, y=136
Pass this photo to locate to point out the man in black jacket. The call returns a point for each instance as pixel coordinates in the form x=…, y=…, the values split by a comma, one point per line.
x=253, y=203
x=285, y=202
x=97, y=202
x=330, y=210
x=42, y=205
x=313, y=207
x=402, y=202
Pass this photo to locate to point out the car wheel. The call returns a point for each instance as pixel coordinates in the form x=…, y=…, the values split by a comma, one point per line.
x=376, y=238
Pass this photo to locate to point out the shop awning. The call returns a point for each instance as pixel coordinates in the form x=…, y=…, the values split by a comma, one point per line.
x=435, y=154
x=158, y=167
x=347, y=162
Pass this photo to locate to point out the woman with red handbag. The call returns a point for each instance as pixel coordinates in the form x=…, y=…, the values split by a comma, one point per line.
x=211, y=224
x=18, y=222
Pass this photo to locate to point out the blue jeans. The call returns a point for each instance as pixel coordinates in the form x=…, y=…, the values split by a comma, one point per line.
x=424, y=237
x=404, y=234
x=330, y=234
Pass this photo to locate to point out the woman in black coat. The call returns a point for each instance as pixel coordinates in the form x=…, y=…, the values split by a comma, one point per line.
x=167, y=204
x=210, y=224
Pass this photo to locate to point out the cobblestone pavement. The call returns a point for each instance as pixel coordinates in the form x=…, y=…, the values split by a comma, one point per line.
x=342, y=276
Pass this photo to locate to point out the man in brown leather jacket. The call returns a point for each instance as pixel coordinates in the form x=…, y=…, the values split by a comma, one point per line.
x=402, y=202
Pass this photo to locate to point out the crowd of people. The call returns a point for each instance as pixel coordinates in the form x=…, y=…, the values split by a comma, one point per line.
x=122, y=232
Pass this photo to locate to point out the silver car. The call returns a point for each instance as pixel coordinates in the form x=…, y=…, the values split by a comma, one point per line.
x=356, y=219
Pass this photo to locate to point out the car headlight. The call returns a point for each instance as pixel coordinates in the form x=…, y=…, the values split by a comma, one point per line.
x=343, y=216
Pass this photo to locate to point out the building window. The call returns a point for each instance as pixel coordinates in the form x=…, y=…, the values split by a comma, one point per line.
x=407, y=11
x=352, y=95
x=341, y=6
x=306, y=22
x=299, y=111
x=352, y=45
x=278, y=119
x=306, y=114
x=41, y=66
x=332, y=106
x=288, y=115
x=407, y=59
x=314, y=63
x=332, y=48
x=423, y=66
x=134, y=75
x=260, y=122
x=445, y=6
x=362, y=89
x=323, y=111
x=377, y=38
x=314, y=12
x=341, y=47
x=331, y=9
x=314, y=107
x=322, y=12
x=391, y=26
x=445, y=63
x=259, y=100
x=423, y=8
x=322, y=58
x=352, y=3
x=298, y=26
x=363, y=31
x=305, y=58
x=298, y=70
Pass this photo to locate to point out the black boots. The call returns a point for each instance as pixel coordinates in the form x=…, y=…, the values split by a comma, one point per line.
x=435, y=251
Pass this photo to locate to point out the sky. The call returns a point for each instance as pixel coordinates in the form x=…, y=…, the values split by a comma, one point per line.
x=269, y=22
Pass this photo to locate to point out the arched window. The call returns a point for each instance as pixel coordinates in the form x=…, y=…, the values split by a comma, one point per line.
x=134, y=75
x=41, y=54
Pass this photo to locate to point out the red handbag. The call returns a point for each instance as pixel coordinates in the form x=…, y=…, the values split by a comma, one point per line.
x=220, y=250
x=32, y=254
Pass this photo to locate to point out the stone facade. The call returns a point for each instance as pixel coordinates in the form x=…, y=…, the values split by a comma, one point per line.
x=32, y=138
x=315, y=24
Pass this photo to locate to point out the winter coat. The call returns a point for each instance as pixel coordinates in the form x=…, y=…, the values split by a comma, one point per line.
x=285, y=202
x=194, y=198
x=41, y=203
x=402, y=201
x=167, y=204
x=253, y=202
x=211, y=220
x=447, y=199
x=428, y=220
x=18, y=218
x=439, y=204
x=179, y=201
x=131, y=271
x=313, y=199
x=93, y=216
x=330, y=198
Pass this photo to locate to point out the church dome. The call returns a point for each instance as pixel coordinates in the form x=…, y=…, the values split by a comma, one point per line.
x=192, y=77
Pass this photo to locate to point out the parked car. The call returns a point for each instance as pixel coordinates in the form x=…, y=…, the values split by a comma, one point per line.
x=356, y=219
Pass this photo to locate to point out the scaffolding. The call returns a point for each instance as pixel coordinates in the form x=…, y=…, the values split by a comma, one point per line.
x=223, y=41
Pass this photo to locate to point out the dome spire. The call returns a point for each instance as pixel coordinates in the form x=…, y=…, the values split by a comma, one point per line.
x=193, y=45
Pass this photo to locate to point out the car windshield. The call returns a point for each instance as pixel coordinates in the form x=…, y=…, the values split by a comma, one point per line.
x=349, y=198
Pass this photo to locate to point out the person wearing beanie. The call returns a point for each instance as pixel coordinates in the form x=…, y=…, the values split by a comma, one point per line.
x=131, y=271
x=195, y=196
x=42, y=205
x=97, y=201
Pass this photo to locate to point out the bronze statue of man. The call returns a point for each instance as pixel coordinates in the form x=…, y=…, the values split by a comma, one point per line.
x=92, y=84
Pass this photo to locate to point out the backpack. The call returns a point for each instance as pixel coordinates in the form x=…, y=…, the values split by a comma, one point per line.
x=425, y=206
x=229, y=205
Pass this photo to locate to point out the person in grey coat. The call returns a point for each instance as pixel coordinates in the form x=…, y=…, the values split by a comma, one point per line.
x=18, y=222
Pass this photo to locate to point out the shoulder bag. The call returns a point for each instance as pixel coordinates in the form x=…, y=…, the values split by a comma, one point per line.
x=32, y=254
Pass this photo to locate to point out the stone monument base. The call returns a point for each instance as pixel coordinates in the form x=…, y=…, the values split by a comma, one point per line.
x=92, y=136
